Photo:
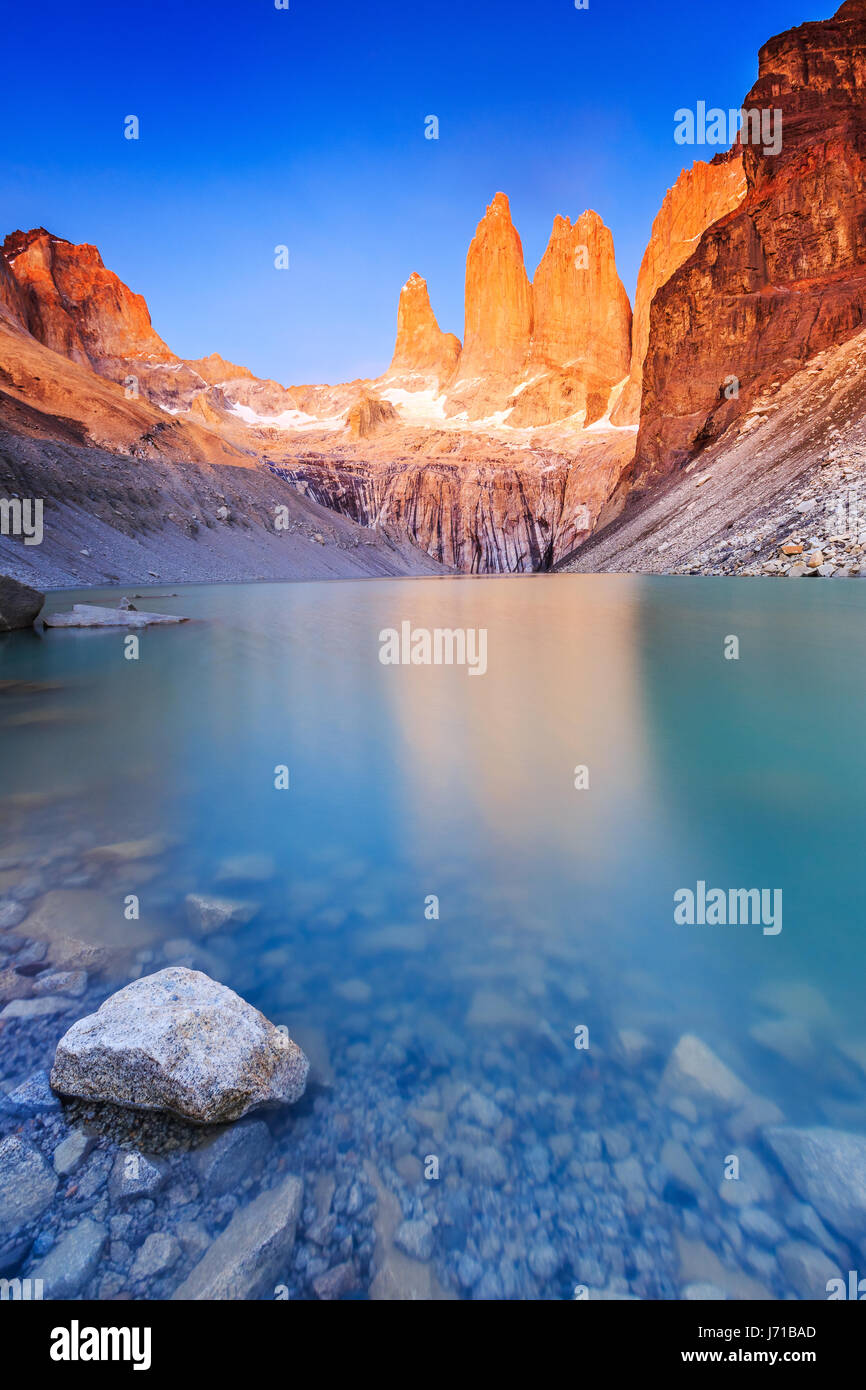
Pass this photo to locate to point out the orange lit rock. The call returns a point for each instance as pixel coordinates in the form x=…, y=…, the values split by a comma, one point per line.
x=422, y=349
x=498, y=310
x=700, y=196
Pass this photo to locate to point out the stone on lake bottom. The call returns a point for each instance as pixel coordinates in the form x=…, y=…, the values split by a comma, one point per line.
x=227, y=1159
x=246, y=868
x=71, y=1152
x=415, y=1238
x=828, y=1168
x=248, y=1258
x=336, y=1282
x=807, y=1269
x=694, y=1070
x=207, y=913
x=159, y=1253
x=27, y=1184
x=73, y=1261
x=177, y=1041
x=33, y=1097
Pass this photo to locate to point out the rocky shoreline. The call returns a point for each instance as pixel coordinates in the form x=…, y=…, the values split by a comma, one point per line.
x=556, y=1173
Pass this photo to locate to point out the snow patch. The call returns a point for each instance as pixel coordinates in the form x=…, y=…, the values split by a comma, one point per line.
x=418, y=406
x=604, y=423
x=287, y=420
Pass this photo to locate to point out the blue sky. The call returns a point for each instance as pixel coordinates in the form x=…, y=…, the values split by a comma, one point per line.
x=305, y=127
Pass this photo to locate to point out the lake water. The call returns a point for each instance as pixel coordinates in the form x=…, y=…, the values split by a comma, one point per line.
x=453, y=1037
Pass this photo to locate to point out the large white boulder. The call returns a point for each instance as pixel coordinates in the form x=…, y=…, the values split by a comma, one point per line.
x=178, y=1041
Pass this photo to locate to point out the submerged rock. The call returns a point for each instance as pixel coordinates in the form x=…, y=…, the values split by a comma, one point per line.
x=159, y=1253
x=253, y=1251
x=415, y=1238
x=247, y=868
x=27, y=1184
x=180, y=1042
x=72, y=1263
x=336, y=1282
x=807, y=1269
x=231, y=1156
x=20, y=605
x=828, y=1168
x=84, y=929
x=33, y=1097
x=128, y=851
x=135, y=1174
x=694, y=1070
x=208, y=913
x=71, y=1152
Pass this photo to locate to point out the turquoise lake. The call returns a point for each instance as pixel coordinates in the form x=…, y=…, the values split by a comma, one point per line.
x=555, y=903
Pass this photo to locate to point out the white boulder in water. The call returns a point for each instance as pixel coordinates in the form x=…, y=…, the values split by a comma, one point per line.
x=180, y=1042
x=92, y=615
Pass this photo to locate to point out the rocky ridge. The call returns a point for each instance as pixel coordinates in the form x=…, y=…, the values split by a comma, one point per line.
x=782, y=276
x=506, y=453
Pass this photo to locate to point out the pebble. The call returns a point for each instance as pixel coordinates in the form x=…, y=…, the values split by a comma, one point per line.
x=136, y=1175
x=336, y=1282
x=27, y=1184
x=68, y=1268
x=807, y=1268
x=238, y=1152
x=485, y=1165
x=71, y=1152
x=207, y=913
x=415, y=1238
x=159, y=1253
x=693, y=1070
x=33, y=1097
x=469, y=1271
x=761, y=1226
x=543, y=1260
x=681, y=1170
x=73, y=982
x=46, y=1007
x=11, y=914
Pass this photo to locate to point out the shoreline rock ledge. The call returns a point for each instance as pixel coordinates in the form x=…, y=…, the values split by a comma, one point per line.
x=180, y=1042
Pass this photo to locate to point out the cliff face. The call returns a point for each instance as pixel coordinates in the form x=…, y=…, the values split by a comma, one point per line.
x=784, y=275
x=473, y=512
x=422, y=350
x=11, y=302
x=75, y=306
x=581, y=311
x=701, y=195
x=781, y=494
x=580, y=345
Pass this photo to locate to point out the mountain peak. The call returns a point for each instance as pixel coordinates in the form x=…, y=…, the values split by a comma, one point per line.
x=421, y=348
x=19, y=241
